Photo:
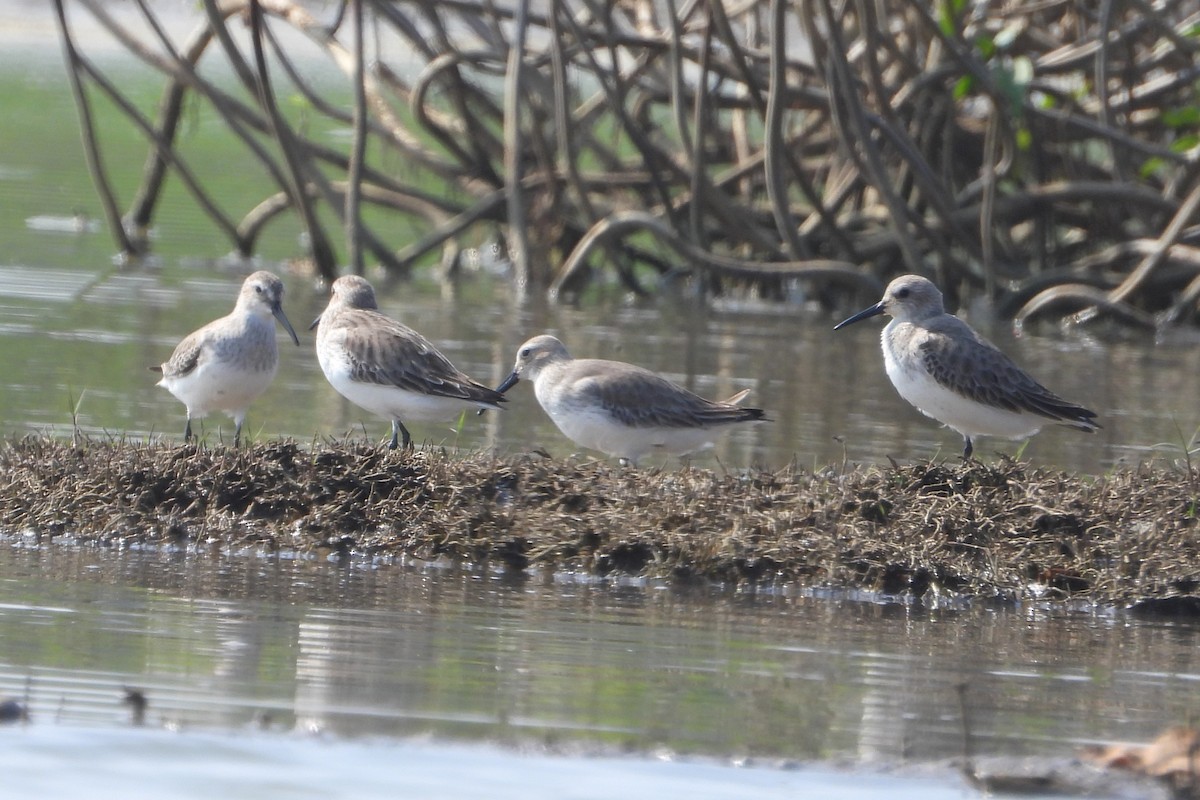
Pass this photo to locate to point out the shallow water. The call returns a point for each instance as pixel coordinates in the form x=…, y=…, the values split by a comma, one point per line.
x=259, y=663
x=77, y=334
x=255, y=766
x=76, y=341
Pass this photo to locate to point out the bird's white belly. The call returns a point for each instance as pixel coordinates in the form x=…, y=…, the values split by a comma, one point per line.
x=392, y=402
x=217, y=386
x=965, y=415
x=592, y=427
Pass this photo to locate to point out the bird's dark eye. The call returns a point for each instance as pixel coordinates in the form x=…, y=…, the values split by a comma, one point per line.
x=526, y=353
x=903, y=293
x=258, y=289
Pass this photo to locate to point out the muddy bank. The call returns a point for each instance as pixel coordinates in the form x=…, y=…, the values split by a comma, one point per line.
x=1002, y=529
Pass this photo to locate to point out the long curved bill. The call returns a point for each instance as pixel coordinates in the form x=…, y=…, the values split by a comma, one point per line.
x=866, y=313
x=287, y=326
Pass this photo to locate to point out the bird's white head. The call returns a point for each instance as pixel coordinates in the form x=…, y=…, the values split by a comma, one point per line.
x=909, y=298
x=534, y=356
x=262, y=293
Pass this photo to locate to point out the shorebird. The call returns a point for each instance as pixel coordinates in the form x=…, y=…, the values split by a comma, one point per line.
x=229, y=362
x=940, y=365
x=621, y=409
x=388, y=368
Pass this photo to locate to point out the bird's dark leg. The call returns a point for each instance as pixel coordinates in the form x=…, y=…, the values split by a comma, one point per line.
x=968, y=448
x=237, y=436
x=399, y=430
x=187, y=431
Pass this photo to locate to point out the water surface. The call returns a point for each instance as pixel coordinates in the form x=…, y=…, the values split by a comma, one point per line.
x=254, y=654
x=113, y=764
x=77, y=333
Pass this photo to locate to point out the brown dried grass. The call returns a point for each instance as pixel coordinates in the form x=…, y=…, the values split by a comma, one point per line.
x=1004, y=530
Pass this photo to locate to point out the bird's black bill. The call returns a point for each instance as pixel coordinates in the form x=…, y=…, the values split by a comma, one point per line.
x=315, y=323
x=283, y=320
x=866, y=313
x=509, y=382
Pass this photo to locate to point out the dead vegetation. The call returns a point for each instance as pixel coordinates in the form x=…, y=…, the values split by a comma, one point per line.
x=1003, y=530
x=1173, y=759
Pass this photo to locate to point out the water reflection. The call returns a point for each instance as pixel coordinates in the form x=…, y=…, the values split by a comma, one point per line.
x=359, y=649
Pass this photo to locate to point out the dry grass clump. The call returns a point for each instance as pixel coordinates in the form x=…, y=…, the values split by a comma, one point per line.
x=996, y=530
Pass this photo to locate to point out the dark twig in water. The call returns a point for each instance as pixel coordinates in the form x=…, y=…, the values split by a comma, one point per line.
x=964, y=720
x=138, y=703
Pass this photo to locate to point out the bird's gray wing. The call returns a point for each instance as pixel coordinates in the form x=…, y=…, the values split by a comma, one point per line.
x=186, y=357
x=976, y=369
x=643, y=399
x=388, y=353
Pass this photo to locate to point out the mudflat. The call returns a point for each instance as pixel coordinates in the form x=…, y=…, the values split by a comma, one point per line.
x=1001, y=529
